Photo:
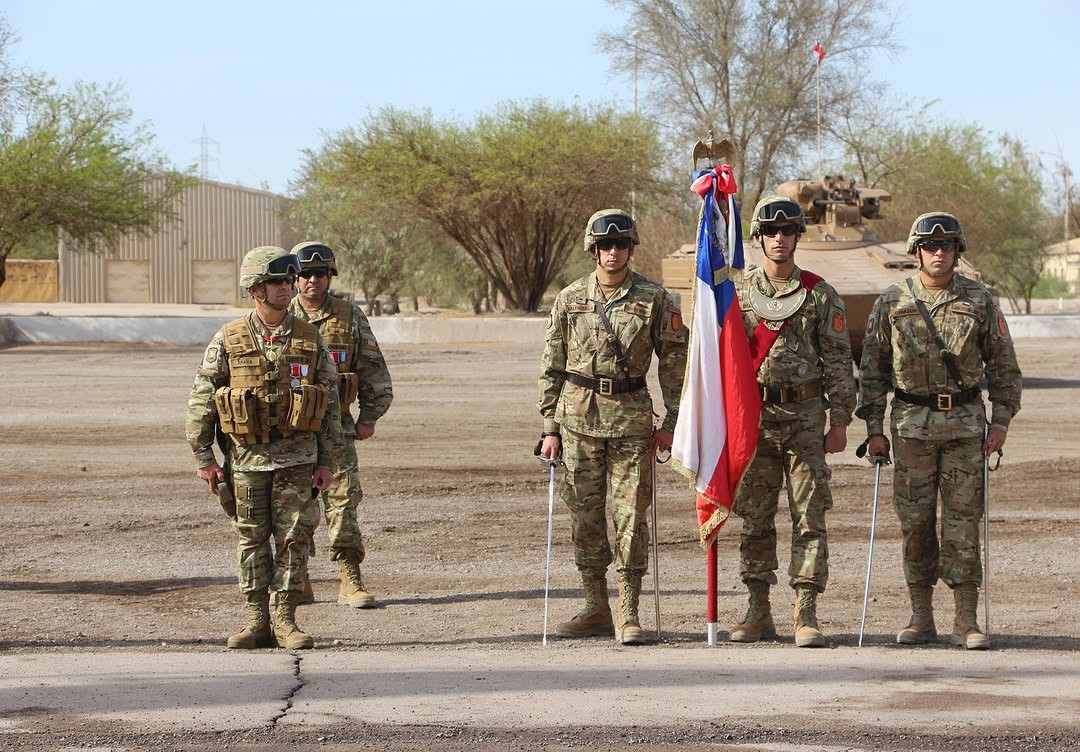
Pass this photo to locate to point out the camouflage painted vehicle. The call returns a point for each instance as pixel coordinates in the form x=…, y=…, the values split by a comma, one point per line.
x=838, y=245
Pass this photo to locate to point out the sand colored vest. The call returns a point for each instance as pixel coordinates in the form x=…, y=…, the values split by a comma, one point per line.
x=337, y=334
x=268, y=399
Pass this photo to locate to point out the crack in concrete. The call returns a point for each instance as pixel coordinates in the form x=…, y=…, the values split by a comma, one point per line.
x=288, y=698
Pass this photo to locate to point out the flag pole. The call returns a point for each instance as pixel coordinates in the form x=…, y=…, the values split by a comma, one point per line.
x=818, y=78
x=710, y=608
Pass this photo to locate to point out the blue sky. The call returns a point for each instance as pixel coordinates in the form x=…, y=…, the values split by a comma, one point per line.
x=266, y=79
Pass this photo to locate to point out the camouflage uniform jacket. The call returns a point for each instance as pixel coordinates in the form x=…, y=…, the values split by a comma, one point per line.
x=813, y=347
x=321, y=448
x=900, y=352
x=358, y=352
x=646, y=320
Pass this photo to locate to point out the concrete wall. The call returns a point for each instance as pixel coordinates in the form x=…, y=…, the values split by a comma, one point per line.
x=197, y=330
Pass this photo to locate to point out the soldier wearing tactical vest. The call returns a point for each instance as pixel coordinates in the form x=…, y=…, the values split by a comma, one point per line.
x=364, y=379
x=268, y=381
x=938, y=418
x=603, y=332
x=799, y=341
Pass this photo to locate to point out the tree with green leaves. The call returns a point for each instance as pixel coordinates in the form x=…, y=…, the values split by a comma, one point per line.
x=992, y=184
x=512, y=189
x=746, y=69
x=72, y=161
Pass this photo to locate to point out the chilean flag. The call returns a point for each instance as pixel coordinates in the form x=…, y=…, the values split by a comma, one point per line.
x=717, y=431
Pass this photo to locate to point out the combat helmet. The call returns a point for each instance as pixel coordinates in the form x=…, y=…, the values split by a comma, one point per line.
x=940, y=225
x=610, y=223
x=315, y=255
x=265, y=263
x=772, y=209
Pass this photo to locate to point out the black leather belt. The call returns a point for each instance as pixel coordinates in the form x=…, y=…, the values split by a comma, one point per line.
x=606, y=386
x=778, y=395
x=941, y=403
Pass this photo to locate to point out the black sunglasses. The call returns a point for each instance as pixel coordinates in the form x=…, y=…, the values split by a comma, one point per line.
x=944, y=244
x=289, y=279
x=316, y=273
x=604, y=225
x=311, y=253
x=786, y=230
x=608, y=243
x=937, y=223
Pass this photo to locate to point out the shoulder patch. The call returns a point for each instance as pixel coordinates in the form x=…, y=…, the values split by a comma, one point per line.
x=838, y=322
x=1002, y=327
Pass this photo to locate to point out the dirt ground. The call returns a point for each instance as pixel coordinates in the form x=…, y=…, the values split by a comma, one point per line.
x=110, y=542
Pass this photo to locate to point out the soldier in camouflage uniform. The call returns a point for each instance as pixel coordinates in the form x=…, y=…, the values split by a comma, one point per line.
x=267, y=380
x=363, y=378
x=601, y=337
x=938, y=418
x=798, y=334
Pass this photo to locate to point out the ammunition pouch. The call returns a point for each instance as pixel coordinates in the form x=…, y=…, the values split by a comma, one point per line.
x=307, y=407
x=238, y=412
x=348, y=388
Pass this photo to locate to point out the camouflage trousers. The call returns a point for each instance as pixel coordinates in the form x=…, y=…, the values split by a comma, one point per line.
x=597, y=470
x=952, y=469
x=274, y=506
x=793, y=451
x=340, y=503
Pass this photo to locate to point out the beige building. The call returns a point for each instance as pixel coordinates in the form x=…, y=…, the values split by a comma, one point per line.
x=1063, y=262
x=194, y=259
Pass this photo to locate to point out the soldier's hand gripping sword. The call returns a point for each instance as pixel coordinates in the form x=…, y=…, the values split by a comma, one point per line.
x=552, y=463
x=878, y=461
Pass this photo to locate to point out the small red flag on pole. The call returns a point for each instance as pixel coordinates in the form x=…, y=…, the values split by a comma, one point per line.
x=819, y=51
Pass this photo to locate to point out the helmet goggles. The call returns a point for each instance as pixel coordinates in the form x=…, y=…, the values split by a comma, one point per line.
x=609, y=223
x=777, y=211
x=319, y=253
x=283, y=266
x=939, y=224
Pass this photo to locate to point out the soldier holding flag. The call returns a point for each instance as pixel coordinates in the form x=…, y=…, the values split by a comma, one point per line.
x=800, y=347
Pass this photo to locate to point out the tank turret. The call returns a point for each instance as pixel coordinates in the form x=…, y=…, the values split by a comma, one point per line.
x=837, y=244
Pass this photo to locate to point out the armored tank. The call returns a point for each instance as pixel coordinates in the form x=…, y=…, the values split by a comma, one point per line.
x=838, y=245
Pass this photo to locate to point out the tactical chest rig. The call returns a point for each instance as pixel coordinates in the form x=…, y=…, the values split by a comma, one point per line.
x=268, y=400
x=337, y=333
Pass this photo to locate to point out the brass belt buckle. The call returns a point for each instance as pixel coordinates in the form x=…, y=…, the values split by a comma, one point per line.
x=604, y=386
x=944, y=402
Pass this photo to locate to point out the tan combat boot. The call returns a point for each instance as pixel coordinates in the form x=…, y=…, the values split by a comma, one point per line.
x=286, y=634
x=628, y=629
x=257, y=632
x=758, y=621
x=807, y=634
x=306, y=599
x=920, y=630
x=595, y=619
x=966, y=630
x=351, y=591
